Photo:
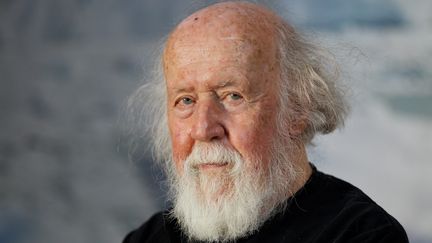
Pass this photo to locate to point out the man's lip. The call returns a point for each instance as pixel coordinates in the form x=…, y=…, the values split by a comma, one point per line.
x=211, y=165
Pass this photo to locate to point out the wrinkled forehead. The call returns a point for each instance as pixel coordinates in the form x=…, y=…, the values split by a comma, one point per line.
x=242, y=29
x=228, y=19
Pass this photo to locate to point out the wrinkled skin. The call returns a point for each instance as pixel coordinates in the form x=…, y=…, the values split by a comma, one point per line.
x=221, y=69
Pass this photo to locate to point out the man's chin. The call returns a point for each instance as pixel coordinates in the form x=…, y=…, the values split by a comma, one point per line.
x=214, y=186
x=215, y=173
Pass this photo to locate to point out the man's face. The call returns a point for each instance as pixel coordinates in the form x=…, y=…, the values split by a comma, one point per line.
x=232, y=168
x=221, y=89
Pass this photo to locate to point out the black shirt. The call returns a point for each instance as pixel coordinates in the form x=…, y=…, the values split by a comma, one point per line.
x=326, y=209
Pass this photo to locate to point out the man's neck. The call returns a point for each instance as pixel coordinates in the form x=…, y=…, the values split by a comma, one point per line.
x=303, y=167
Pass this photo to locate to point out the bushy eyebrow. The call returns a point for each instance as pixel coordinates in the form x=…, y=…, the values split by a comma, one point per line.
x=181, y=90
x=227, y=83
x=223, y=84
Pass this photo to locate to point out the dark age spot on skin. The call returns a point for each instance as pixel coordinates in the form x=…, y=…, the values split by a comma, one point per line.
x=196, y=18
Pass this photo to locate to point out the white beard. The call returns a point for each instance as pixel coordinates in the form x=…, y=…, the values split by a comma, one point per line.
x=235, y=201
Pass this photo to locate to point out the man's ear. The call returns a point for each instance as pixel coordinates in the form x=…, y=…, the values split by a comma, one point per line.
x=297, y=126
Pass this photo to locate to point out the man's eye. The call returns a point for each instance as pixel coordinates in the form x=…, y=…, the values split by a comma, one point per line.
x=186, y=101
x=235, y=96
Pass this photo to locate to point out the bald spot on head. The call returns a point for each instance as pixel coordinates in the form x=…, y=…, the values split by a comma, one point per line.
x=243, y=29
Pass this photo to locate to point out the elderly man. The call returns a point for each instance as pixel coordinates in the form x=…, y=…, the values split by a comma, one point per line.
x=240, y=96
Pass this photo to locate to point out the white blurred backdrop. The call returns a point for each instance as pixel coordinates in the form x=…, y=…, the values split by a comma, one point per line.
x=66, y=68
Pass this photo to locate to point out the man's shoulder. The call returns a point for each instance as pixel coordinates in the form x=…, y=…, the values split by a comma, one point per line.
x=153, y=230
x=345, y=197
x=349, y=213
x=328, y=189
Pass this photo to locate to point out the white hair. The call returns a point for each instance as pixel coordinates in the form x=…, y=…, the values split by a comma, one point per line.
x=146, y=116
x=309, y=88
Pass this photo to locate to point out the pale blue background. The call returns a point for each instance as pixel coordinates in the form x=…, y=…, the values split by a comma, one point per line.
x=66, y=68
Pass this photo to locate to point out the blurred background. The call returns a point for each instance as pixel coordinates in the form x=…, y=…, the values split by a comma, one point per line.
x=67, y=67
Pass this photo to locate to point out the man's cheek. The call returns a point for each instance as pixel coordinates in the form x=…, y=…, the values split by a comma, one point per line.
x=181, y=148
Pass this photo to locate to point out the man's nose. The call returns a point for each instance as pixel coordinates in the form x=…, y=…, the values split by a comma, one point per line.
x=207, y=123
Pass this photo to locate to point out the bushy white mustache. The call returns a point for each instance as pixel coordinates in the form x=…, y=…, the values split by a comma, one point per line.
x=214, y=153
